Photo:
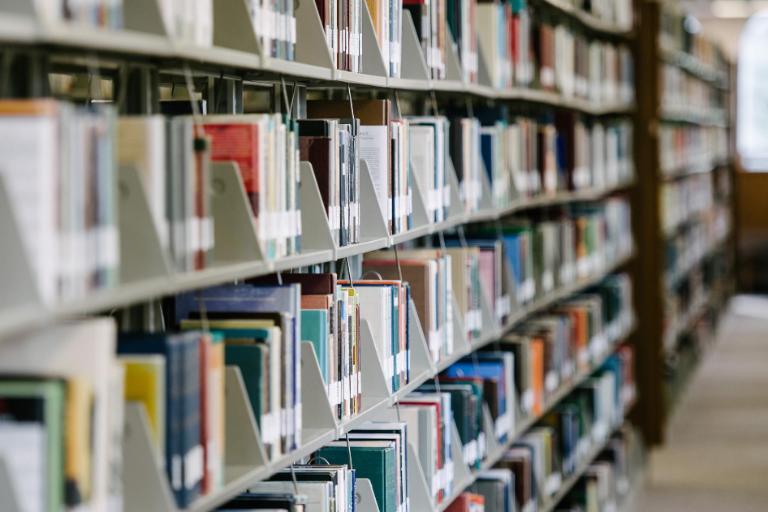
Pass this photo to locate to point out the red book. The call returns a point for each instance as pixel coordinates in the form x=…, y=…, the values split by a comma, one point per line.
x=239, y=143
x=467, y=502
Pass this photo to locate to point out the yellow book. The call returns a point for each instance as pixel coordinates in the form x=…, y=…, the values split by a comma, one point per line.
x=78, y=434
x=200, y=325
x=145, y=383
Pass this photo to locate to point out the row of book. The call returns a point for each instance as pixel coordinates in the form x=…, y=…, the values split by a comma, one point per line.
x=678, y=33
x=682, y=91
x=526, y=48
x=688, y=247
x=691, y=148
x=531, y=471
x=565, y=439
x=274, y=23
x=619, y=13
x=608, y=480
x=59, y=178
x=97, y=13
x=178, y=377
x=685, y=200
x=342, y=23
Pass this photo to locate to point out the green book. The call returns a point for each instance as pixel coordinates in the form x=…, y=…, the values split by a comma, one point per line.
x=30, y=401
x=374, y=460
x=314, y=328
x=252, y=361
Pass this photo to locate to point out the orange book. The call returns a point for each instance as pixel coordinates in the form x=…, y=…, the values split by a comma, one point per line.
x=537, y=373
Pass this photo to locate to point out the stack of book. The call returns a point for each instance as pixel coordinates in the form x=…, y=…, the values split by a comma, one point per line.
x=342, y=21
x=275, y=26
x=179, y=378
x=172, y=159
x=686, y=149
x=61, y=185
x=265, y=148
x=607, y=482
x=376, y=451
x=566, y=438
x=430, y=274
x=314, y=486
x=553, y=348
x=683, y=92
x=683, y=200
x=524, y=47
x=261, y=331
x=62, y=417
x=430, y=20
x=387, y=18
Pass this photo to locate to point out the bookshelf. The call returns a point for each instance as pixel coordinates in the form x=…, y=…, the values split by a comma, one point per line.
x=141, y=59
x=685, y=207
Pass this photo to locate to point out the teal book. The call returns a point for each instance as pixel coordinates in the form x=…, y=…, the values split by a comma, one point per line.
x=374, y=460
x=314, y=328
x=252, y=361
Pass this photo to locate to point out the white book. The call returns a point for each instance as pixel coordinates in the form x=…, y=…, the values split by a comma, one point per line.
x=376, y=309
x=422, y=144
x=318, y=494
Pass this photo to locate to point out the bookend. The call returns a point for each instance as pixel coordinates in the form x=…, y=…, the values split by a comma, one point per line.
x=315, y=228
x=377, y=387
x=373, y=61
x=9, y=501
x=145, y=485
x=317, y=417
x=456, y=210
x=142, y=255
x=420, y=493
x=461, y=343
x=484, y=77
x=18, y=278
x=462, y=475
x=364, y=497
x=312, y=47
x=236, y=237
x=414, y=65
x=487, y=201
x=145, y=16
x=421, y=214
x=232, y=27
x=421, y=359
x=493, y=447
x=489, y=324
x=453, y=70
x=244, y=450
x=373, y=227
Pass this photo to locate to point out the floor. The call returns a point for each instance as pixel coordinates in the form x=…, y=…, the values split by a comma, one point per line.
x=716, y=457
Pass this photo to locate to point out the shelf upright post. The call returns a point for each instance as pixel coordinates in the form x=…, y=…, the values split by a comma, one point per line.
x=225, y=95
x=27, y=74
x=650, y=413
x=138, y=89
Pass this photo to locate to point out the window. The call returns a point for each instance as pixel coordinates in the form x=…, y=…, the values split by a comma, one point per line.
x=752, y=94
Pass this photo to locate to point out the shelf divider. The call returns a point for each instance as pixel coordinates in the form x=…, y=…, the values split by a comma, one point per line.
x=244, y=450
x=421, y=359
x=146, y=16
x=414, y=67
x=462, y=475
x=373, y=61
x=372, y=224
x=315, y=229
x=145, y=485
x=233, y=28
x=421, y=214
x=236, y=237
x=18, y=278
x=366, y=500
x=457, y=205
x=312, y=47
x=420, y=493
x=142, y=255
x=453, y=71
x=376, y=385
x=317, y=412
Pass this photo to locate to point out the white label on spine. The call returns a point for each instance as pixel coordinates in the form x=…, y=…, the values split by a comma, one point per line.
x=447, y=196
x=402, y=363
x=109, y=246
x=527, y=400
x=193, y=467
x=551, y=382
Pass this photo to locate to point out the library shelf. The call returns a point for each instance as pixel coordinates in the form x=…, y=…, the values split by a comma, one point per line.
x=692, y=65
x=684, y=171
x=693, y=115
x=527, y=423
x=588, y=20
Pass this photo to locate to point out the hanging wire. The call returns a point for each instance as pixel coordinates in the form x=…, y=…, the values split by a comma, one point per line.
x=196, y=115
x=293, y=479
x=349, y=451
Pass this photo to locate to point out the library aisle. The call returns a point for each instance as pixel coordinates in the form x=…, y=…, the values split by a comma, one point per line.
x=716, y=457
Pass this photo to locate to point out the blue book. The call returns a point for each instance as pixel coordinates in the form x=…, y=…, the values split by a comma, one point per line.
x=183, y=445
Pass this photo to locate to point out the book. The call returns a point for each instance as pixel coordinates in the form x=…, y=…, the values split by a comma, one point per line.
x=145, y=381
